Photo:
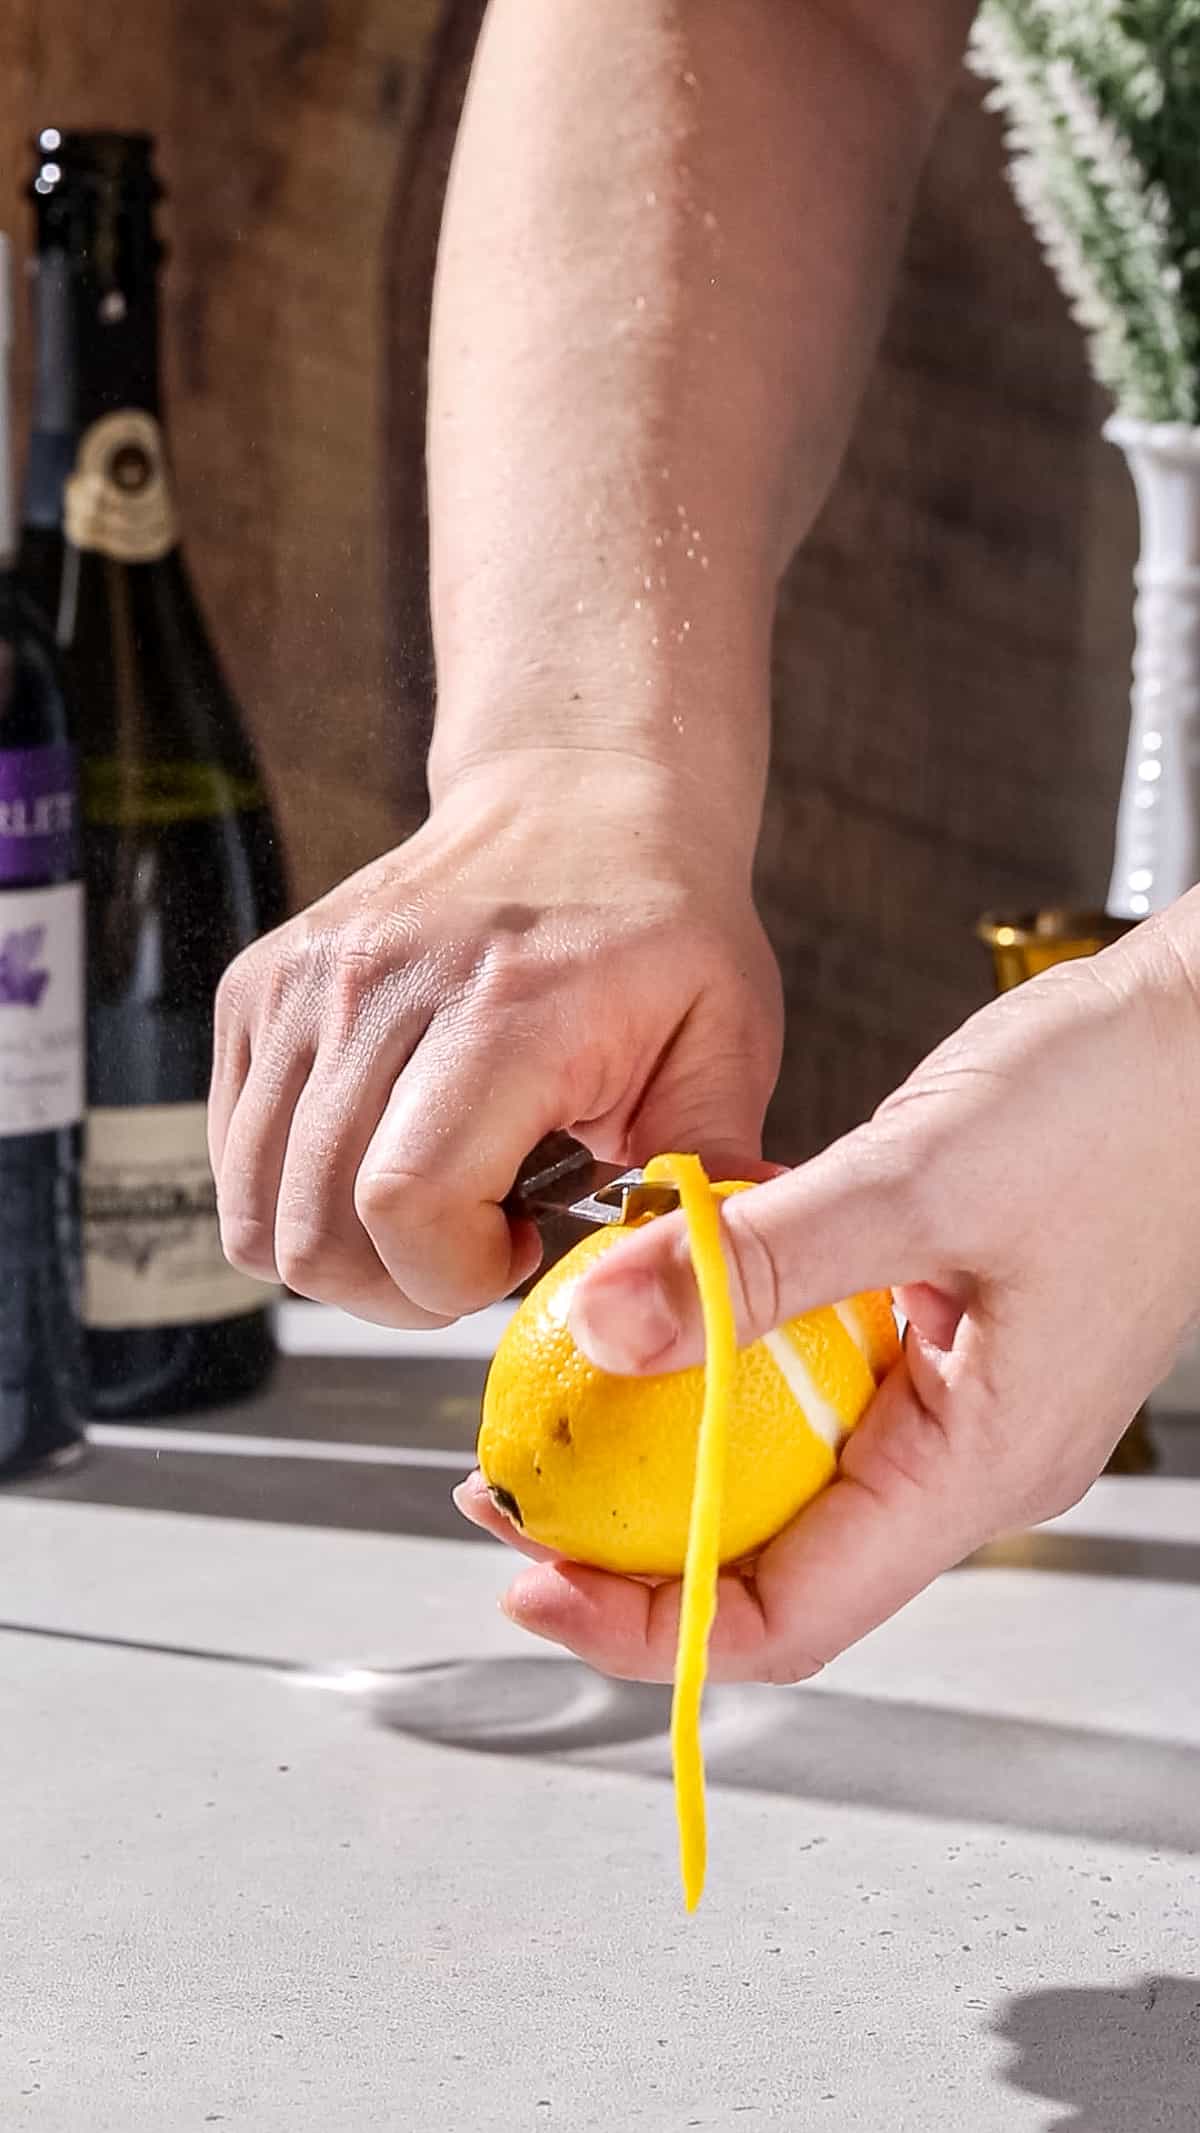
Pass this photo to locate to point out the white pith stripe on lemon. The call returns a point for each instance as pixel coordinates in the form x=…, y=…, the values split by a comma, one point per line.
x=821, y=1416
x=871, y=1339
x=852, y=1323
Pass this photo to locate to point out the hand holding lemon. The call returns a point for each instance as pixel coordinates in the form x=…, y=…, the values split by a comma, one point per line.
x=675, y=1475
x=599, y=1467
x=1042, y=1233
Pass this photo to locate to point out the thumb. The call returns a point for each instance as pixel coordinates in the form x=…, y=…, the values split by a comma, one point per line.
x=852, y=1219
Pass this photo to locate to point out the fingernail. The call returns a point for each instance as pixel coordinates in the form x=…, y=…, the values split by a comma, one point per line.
x=464, y=1496
x=623, y=1321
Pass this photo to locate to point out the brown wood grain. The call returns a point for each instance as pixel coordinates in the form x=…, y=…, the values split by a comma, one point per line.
x=952, y=650
x=952, y=655
x=281, y=123
x=411, y=256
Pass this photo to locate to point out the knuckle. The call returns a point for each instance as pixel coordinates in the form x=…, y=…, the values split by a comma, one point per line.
x=274, y=981
x=355, y=970
x=358, y=948
x=248, y=1243
x=375, y=1198
x=308, y=1258
x=345, y=1003
x=263, y=985
x=507, y=979
x=755, y=1272
x=401, y=1199
x=913, y=1454
x=237, y=986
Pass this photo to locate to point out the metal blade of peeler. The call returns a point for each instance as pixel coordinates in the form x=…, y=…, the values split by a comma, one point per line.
x=562, y=1179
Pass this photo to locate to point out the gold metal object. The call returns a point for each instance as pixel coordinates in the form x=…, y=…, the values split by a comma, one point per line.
x=1024, y=944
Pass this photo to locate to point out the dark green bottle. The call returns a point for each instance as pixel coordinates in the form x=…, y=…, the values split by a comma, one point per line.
x=52, y=434
x=41, y=1017
x=182, y=861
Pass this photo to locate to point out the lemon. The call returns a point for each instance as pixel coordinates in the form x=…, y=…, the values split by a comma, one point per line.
x=677, y=1474
x=601, y=1468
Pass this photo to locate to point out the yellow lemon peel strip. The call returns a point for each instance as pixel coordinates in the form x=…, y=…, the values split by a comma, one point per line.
x=698, y=1604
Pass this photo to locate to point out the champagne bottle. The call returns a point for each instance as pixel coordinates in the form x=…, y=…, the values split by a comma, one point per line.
x=181, y=857
x=41, y=1015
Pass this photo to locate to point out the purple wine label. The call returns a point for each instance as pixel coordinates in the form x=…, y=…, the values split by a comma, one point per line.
x=23, y=973
x=38, y=813
x=41, y=1008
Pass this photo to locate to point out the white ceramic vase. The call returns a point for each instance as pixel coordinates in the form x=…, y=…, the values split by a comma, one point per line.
x=1157, y=852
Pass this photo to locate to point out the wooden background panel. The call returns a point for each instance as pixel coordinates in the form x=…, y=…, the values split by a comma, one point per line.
x=281, y=123
x=410, y=258
x=951, y=671
x=952, y=651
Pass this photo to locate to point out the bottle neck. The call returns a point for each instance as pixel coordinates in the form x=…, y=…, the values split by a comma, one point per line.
x=99, y=252
x=115, y=340
x=98, y=472
x=96, y=346
x=118, y=499
x=52, y=440
x=8, y=502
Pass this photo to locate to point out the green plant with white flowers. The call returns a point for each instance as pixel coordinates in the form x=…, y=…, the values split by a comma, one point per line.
x=1101, y=102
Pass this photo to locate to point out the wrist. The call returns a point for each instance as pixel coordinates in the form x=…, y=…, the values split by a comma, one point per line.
x=659, y=812
x=660, y=673
x=1165, y=950
x=659, y=739
x=1157, y=972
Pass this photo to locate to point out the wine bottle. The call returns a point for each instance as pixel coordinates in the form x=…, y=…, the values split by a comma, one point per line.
x=181, y=856
x=41, y=1015
x=52, y=435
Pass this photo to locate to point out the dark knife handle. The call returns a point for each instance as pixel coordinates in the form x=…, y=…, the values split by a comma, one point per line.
x=553, y=1174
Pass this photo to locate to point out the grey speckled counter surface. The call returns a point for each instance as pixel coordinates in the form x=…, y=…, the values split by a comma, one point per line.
x=299, y=1834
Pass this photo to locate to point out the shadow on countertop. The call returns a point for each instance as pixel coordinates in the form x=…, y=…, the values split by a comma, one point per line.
x=817, y=1745
x=1121, y=2060
x=810, y=1745
x=334, y=1442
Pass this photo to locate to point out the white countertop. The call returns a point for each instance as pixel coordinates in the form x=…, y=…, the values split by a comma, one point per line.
x=953, y=1886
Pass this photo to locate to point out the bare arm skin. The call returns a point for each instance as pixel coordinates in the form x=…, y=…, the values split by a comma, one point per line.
x=668, y=246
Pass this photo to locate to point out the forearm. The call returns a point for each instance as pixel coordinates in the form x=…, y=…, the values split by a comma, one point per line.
x=669, y=239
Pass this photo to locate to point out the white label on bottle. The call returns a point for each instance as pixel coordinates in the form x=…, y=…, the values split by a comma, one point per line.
x=41, y=1009
x=152, y=1244
x=118, y=500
